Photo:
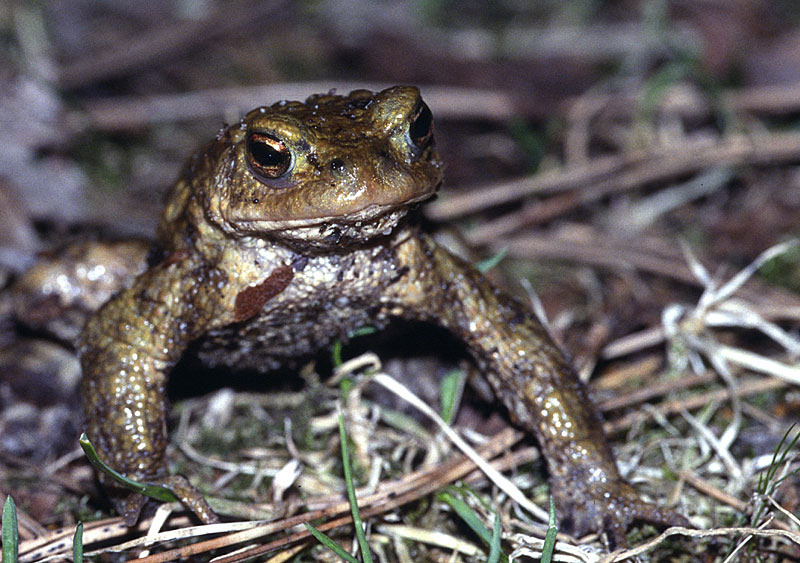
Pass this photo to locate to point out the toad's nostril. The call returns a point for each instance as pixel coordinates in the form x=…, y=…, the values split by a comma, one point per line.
x=338, y=166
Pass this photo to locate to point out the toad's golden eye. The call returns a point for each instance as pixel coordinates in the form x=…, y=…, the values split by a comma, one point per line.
x=420, y=132
x=267, y=156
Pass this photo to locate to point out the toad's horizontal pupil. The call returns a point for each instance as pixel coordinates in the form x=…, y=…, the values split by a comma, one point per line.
x=266, y=155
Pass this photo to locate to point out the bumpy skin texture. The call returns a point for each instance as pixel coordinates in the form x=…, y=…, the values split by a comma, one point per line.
x=58, y=293
x=292, y=229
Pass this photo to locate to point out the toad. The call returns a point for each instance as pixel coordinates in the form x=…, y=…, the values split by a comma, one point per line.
x=293, y=228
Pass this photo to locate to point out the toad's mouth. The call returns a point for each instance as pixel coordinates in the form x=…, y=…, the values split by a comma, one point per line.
x=373, y=217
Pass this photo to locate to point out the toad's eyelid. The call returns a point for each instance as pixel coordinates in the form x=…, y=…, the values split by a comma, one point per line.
x=268, y=137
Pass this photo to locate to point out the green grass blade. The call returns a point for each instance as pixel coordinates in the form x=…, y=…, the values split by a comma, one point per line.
x=330, y=544
x=467, y=515
x=336, y=353
x=485, y=265
x=10, y=531
x=470, y=519
x=366, y=557
x=365, y=330
x=494, y=546
x=157, y=492
x=338, y=345
x=77, y=544
x=450, y=394
x=550, y=538
x=778, y=457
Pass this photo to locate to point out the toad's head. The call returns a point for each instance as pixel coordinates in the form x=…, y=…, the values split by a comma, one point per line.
x=332, y=170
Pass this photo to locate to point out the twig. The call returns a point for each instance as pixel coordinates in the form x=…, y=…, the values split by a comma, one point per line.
x=684, y=101
x=589, y=246
x=136, y=112
x=611, y=174
x=716, y=532
x=167, y=42
x=629, y=172
x=746, y=387
x=652, y=391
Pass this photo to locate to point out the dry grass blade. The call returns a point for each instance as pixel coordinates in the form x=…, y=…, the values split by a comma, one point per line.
x=653, y=391
x=720, y=447
x=449, y=102
x=432, y=537
x=689, y=328
x=60, y=541
x=565, y=553
x=133, y=113
x=707, y=489
x=686, y=101
x=756, y=362
x=555, y=181
x=636, y=217
x=791, y=517
x=712, y=295
x=536, y=554
x=183, y=533
x=689, y=533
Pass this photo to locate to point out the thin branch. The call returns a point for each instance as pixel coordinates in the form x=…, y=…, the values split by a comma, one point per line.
x=168, y=42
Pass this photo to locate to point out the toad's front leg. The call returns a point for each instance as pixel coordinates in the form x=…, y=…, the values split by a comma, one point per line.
x=534, y=381
x=127, y=349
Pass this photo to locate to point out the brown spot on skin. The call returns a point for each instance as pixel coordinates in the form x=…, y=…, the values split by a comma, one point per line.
x=176, y=256
x=249, y=301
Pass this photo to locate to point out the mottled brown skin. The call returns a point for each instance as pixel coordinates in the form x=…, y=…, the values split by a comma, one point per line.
x=289, y=231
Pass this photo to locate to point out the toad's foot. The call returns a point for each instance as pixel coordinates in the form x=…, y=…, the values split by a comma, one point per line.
x=609, y=506
x=130, y=505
